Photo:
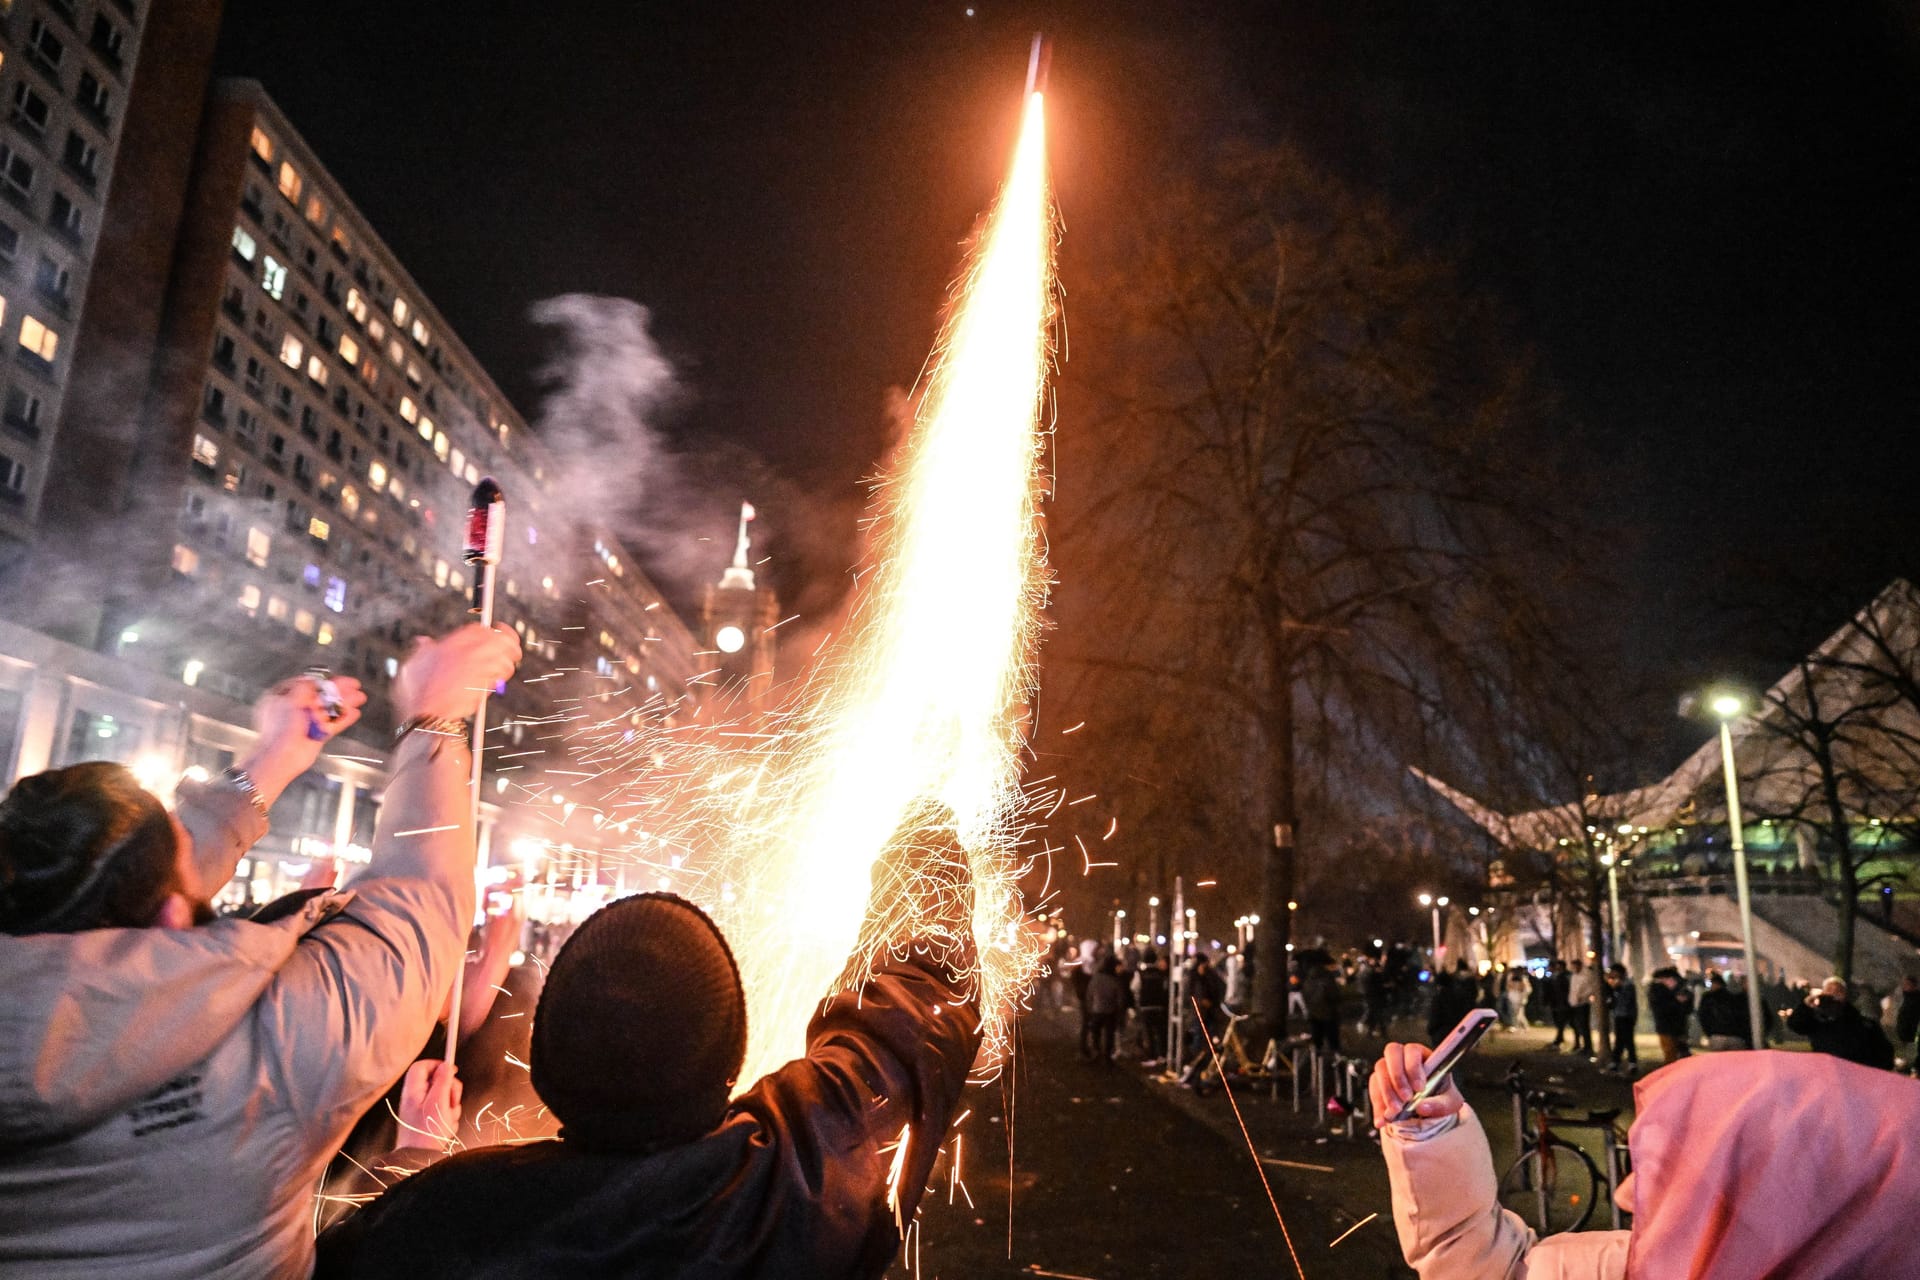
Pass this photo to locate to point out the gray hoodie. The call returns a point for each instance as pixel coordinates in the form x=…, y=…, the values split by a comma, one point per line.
x=168, y=1098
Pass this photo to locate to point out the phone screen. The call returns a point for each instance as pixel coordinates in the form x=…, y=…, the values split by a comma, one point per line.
x=1447, y=1055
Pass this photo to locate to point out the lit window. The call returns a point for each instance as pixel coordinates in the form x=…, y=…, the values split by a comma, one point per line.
x=396, y=352
x=276, y=608
x=342, y=241
x=273, y=277
x=311, y=575
x=262, y=144
x=336, y=595
x=414, y=373
x=318, y=529
x=349, y=349
x=316, y=210
x=439, y=573
x=317, y=370
x=397, y=487
x=376, y=329
x=420, y=334
x=409, y=410
x=249, y=601
x=291, y=351
x=606, y=640
x=258, y=547
x=303, y=622
x=426, y=428
x=440, y=445
x=289, y=182
x=243, y=244
x=399, y=310
x=325, y=635
x=393, y=667
x=205, y=451
x=377, y=475
x=473, y=474
x=37, y=338
x=458, y=462
x=350, y=500
x=356, y=305
x=186, y=561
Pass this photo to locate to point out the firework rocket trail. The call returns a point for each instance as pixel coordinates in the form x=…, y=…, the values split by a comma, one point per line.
x=911, y=724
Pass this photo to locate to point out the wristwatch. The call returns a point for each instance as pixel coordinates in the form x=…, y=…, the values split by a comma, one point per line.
x=439, y=726
x=240, y=781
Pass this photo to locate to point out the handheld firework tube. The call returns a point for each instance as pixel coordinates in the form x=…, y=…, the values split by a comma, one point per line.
x=486, y=536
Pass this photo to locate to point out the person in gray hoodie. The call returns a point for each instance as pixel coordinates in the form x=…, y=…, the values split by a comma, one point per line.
x=172, y=1085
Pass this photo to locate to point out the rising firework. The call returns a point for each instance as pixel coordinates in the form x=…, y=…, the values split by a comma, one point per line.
x=909, y=728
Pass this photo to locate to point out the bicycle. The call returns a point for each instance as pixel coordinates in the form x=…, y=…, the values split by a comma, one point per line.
x=1554, y=1184
x=1235, y=1062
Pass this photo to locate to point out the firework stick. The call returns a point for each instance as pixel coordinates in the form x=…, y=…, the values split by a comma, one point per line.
x=486, y=535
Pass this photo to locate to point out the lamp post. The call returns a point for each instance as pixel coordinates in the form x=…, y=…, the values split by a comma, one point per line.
x=1153, y=919
x=1727, y=707
x=1611, y=862
x=1429, y=901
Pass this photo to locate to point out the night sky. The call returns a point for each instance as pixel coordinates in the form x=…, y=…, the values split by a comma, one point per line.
x=1703, y=219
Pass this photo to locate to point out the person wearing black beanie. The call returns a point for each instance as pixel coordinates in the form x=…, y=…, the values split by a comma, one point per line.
x=638, y=1042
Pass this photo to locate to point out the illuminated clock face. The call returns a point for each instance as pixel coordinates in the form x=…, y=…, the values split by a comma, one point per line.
x=731, y=639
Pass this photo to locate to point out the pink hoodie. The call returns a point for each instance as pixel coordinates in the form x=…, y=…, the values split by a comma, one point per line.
x=1792, y=1166
x=1782, y=1166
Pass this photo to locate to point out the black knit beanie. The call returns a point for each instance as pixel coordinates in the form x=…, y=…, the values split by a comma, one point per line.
x=641, y=1028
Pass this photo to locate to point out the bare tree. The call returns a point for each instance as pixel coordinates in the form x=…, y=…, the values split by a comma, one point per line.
x=1292, y=499
x=1836, y=750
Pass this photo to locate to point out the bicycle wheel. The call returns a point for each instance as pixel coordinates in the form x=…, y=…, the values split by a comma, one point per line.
x=1554, y=1190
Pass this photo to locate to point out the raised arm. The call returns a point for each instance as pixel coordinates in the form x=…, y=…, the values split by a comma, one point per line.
x=226, y=816
x=361, y=995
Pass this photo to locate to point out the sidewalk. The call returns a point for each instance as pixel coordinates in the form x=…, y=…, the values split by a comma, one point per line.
x=1117, y=1177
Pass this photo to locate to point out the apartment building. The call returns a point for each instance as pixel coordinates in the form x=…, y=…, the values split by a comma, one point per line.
x=66, y=74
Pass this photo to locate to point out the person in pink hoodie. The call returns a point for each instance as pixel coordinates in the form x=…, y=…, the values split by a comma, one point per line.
x=1790, y=1166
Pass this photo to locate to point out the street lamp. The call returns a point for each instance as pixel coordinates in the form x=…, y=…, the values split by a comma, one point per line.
x=1153, y=917
x=1728, y=706
x=1429, y=901
x=1612, y=864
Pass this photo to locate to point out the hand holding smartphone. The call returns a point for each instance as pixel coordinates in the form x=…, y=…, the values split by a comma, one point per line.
x=1445, y=1057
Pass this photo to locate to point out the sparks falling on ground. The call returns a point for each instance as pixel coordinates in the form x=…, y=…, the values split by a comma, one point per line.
x=907, y=737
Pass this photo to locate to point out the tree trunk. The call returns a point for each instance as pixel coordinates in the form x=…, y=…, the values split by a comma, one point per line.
x=1847, y=870
x=1849, y=877
x=1278, y=884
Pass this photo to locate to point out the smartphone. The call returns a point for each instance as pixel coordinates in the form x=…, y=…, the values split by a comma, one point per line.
x=1446, y=1056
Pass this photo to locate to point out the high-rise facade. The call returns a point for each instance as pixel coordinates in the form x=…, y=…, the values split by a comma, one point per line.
x=310, y=437
x=266, y=466
x=67, y=71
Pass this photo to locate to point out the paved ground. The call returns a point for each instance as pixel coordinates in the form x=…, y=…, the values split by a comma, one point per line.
x=1116, y=1176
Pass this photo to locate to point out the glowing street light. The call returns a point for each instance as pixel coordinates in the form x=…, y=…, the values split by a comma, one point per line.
x=1726, y=707
x=1434, y=904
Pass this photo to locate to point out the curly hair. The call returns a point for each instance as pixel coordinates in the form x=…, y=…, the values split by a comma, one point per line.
x=85, y=847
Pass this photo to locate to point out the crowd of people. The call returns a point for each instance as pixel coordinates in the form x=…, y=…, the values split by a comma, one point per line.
x=174, y=1085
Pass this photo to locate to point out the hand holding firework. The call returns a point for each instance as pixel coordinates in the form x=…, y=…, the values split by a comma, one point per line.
x=445, y=679
x=429, y=1110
